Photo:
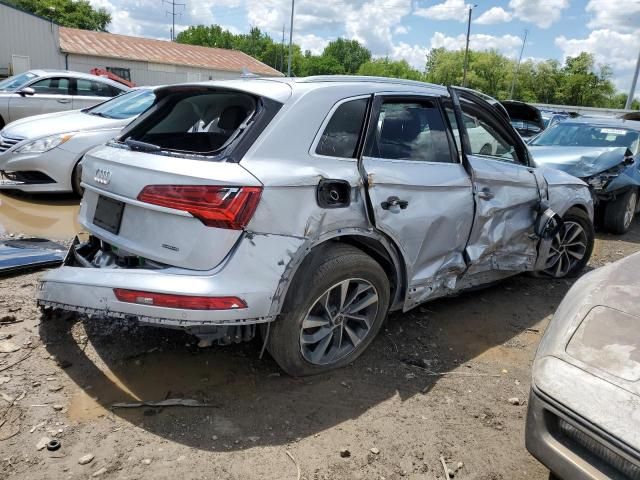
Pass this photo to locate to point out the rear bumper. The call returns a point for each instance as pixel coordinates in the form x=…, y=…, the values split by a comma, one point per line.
x=566, y=457
x=252, y=272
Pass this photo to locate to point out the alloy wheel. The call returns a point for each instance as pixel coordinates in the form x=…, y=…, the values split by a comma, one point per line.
x=630, y=209
x=568, y=248
x=339, y=320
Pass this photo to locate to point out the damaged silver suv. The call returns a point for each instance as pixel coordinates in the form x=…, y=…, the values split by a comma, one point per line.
x=307, y=209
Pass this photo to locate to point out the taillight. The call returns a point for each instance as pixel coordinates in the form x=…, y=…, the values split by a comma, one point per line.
x=215, y=206
x=188, y=302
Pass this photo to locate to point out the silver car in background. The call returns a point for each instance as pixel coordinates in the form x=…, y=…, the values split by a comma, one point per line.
x=42, y=153
x=46, y=91
x=310, y=208
x=583, y=420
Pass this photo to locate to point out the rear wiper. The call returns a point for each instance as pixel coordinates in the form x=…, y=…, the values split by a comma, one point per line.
x=141, y=146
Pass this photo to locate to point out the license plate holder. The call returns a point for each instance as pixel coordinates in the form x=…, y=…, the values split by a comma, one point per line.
x=108, y=214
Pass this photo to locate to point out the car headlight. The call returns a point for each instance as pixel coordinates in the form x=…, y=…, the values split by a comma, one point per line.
x=45, y=144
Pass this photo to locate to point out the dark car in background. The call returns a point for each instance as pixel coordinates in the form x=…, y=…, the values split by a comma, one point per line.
x=525, y=118
x=604, y=153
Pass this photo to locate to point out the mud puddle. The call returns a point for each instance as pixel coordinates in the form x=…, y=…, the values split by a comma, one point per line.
x=48, y=216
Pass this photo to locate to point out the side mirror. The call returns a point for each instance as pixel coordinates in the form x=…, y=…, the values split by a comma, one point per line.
x=27, y=91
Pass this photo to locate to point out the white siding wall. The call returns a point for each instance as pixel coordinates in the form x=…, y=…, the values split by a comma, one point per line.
x=145, y=73
x=27, y=35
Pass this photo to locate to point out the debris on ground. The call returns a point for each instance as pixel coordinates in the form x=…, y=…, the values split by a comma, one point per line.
x=85, y=459
x=375, y=450
x=345, y=453
x=514, y=401
x=169, y=402
x=8, y=347
x=42, y=443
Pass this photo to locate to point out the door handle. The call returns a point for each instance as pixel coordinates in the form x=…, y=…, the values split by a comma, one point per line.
x=485, y=194
x=394, y=204
x=64, y=100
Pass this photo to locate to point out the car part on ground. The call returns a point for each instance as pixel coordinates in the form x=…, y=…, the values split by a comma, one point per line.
x=584, y=410
x=603, y=153
x=38, y=92
x=525, y=118
x=43, y=153
x=29, y=253
x=311, y=207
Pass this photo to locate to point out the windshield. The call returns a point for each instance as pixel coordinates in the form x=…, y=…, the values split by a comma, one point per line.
x=584, y=135
x=124, y=106
x=15, y=82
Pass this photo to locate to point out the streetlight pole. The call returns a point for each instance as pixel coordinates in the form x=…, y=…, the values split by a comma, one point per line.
x=517, y=69
x=466, y=49
x=293, y=4
x=633, y=86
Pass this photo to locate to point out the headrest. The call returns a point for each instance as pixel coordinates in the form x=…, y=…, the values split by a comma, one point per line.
x=232, y=117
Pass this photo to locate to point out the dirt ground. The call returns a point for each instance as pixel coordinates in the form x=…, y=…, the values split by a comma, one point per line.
x=394, y=417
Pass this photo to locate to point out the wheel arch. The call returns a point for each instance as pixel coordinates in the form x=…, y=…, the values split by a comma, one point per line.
x=375, y=244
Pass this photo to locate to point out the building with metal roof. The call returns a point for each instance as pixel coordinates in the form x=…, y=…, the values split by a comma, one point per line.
x=28, y=41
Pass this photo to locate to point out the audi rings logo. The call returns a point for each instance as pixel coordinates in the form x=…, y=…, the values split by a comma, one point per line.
x=102, y=176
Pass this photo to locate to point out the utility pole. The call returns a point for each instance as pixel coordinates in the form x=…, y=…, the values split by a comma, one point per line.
x=173, y=14
x=633, y=86
x=517, y=69
x=293, y=4
x=282, y=50
x=466, y=49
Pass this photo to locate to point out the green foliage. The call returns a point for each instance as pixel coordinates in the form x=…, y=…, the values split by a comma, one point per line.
x=383, y=67
x=69, y=13
x=348, y=53
x=580, y=81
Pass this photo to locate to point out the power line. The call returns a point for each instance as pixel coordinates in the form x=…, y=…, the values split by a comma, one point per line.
x=173, y=14
x=517, y=69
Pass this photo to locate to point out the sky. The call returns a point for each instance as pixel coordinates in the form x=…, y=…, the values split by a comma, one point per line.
x=408, y=29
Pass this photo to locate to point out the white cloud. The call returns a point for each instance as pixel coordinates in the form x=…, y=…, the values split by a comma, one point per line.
x=415, y=55
x=507, y=44
x=605, y=45
x=494, y=15
x=541, y=13
x=311, y=42
x=448, y=10
x=401, y=30
x=621, y=15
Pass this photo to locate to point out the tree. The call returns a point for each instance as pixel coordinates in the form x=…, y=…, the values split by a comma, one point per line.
x=383, y=67
x=69, y=13
x=348, y=53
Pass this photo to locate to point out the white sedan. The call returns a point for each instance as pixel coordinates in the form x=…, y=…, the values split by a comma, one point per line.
x=43, y=153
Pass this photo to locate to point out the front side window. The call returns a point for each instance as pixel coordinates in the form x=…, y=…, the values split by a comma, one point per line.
x=486, y=134
x=125, y=106
x=200, y=123
x=340, y=137
x=52, y=86
x=413, y=130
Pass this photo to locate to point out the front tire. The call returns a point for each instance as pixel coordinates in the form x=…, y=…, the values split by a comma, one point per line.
x=619, y=214
x=76, y=179
x=335, y=306
x=572, y=246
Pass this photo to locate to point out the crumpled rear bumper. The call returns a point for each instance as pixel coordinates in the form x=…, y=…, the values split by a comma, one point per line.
x=251, y=272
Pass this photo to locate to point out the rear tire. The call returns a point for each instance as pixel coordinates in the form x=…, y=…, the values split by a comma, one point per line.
x=321, y=326
x=76, y=179
x=619, y=214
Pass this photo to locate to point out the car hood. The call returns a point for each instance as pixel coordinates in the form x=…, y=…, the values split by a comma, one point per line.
x=581, y=162
x=59, y=122
x=589, y=358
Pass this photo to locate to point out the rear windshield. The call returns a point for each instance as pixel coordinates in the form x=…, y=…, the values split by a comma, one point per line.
x=200, y=123
x=584, y=135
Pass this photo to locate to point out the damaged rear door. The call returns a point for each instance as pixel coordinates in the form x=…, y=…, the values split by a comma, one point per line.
x=505, y=189
x=420, y=193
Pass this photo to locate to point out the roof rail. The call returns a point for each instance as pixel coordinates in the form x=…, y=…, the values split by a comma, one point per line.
x=363, y=78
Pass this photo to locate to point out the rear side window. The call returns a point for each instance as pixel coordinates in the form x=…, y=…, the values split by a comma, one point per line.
x=410, y=131
x=91, y=88
x=201, y=123
x=340, y=137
